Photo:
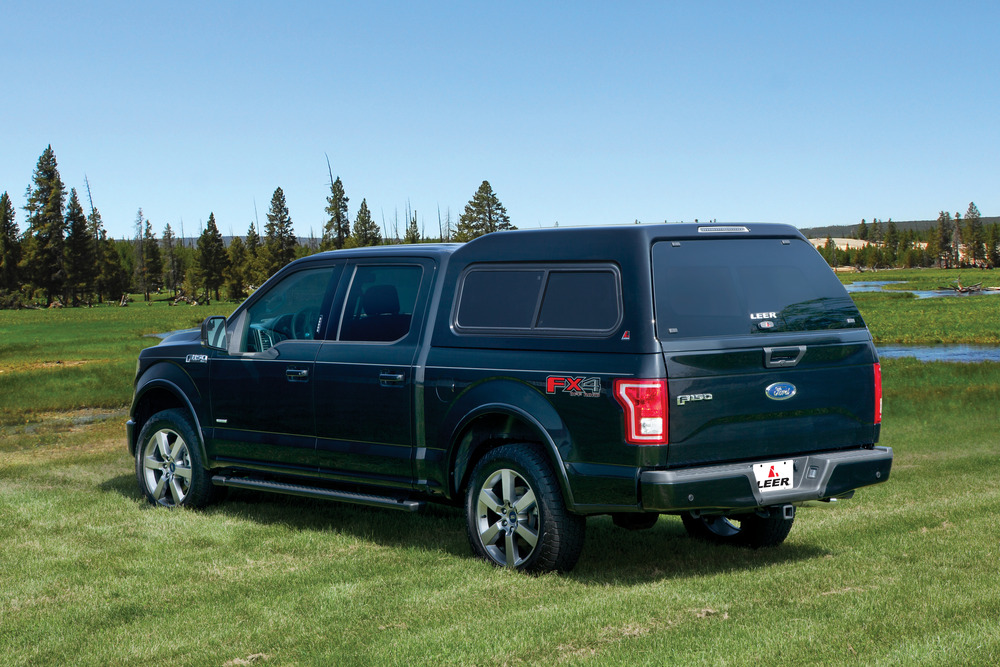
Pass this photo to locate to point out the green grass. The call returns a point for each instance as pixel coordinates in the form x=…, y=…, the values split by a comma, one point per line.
x=902, y=318
x=905, y=573
x=64, y=359
x=925, y=279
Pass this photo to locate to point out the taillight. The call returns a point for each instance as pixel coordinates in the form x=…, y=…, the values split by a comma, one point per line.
x=878, y=393
x=645, y=404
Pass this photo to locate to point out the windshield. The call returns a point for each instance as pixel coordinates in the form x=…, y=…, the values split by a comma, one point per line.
x=725, y=287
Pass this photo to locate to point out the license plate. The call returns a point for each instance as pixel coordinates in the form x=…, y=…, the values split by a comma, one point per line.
x=774, y=476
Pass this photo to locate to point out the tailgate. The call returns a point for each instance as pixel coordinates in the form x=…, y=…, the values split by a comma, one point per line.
x=767, y=356
x=767, y=402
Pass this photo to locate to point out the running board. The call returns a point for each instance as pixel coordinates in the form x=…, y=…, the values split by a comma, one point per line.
x=389, y=502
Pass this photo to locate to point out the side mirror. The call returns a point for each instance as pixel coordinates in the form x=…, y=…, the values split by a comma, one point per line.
x=213, y=333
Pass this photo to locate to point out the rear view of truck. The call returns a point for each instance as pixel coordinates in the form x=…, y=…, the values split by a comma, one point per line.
x=773, y=384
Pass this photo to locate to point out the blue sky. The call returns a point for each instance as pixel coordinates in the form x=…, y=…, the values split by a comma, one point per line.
x=806, y=113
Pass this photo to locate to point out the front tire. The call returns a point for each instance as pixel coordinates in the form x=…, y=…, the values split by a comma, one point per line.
x=746, y=530
x=168, y=463
x=515, y=515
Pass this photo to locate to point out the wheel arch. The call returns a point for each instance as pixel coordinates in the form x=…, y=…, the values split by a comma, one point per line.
x=158, y=395
x=521, y=415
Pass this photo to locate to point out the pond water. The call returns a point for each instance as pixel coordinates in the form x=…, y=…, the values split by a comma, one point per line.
x=968, y=354
x=876, y=286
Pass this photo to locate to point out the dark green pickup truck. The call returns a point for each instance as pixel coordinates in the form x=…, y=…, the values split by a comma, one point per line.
x=719, y=373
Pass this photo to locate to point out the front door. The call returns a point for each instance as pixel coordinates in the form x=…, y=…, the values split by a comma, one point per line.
x=262, y=391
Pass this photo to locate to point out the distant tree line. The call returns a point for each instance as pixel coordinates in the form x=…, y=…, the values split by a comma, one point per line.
x=65, y=256
x=952, y=243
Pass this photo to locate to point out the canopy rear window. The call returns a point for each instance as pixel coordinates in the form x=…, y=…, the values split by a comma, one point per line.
x=724, y=287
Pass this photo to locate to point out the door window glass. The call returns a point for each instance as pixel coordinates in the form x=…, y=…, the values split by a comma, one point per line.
x=291, y=310
x=380, y=304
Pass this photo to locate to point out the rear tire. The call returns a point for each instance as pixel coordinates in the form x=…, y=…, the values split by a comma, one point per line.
x=168, y=463
x=515, y=515
x=746, y=530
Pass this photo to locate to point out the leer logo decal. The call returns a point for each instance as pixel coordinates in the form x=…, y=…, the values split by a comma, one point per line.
x=774, y=476
x=574, y=386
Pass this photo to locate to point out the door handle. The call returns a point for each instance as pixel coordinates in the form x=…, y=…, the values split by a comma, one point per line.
x=297, y=374
x=391, y=379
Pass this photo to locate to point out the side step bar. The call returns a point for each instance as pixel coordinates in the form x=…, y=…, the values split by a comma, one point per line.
x=389, y=502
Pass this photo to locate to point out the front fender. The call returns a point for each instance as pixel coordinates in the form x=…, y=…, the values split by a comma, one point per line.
x=167, y=377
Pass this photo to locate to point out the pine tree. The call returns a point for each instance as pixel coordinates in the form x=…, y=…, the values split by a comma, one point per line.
x=10, y=246
x=212, y=257
x=43, y=257
x=956, y=240
x=877, y=232
x=81, y=264
x=891, y=242
x=412, y=231
x=366, y=230
x=140, y=276
x=942, y=238
x=862, y=232
x=483, y=214
x=975, y=235
x=154, y=259
x=829, y=251
x=993, y=245
x=280, y=239
x=171, y=261
x=338, y=228
x=113, y=275
x=256, y=274
x=236, y=274
x=95, y=229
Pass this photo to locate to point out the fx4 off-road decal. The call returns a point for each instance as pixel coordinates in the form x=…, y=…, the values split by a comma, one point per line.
x=579, y=386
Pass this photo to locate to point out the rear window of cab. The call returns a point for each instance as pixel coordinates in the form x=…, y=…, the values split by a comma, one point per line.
x=533, y=299
x=723, y=287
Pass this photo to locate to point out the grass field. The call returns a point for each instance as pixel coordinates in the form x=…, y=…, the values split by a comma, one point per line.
x=904, y=573
x=902, y=318
x=72, y=358
x=925, y=279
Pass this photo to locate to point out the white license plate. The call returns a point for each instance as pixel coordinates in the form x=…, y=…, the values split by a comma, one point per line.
x=774, y=476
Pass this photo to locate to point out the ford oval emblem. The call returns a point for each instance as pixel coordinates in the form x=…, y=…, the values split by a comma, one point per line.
x=780, y=391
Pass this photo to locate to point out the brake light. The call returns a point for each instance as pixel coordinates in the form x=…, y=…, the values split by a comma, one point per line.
x=645, y=405
x=878, y=393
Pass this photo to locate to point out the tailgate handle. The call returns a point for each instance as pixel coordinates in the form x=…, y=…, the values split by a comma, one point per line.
x=783, y=357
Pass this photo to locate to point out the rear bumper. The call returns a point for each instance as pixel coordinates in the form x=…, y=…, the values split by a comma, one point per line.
x=733, y=486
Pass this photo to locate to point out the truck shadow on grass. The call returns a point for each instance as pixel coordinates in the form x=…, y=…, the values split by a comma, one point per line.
x=611, y=555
